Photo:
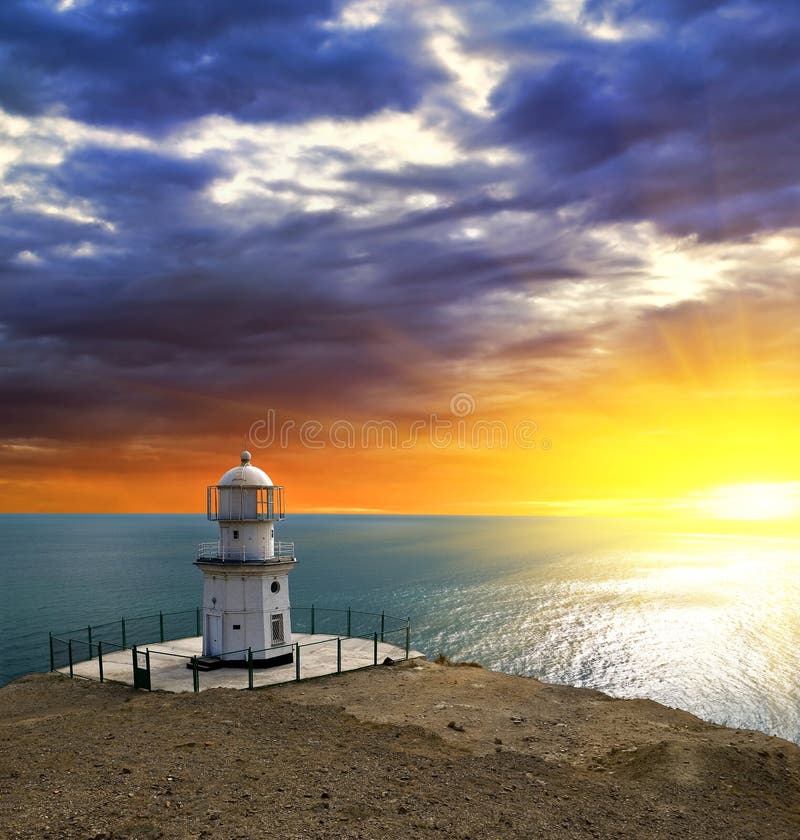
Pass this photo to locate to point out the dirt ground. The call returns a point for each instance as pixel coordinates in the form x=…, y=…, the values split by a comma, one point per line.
x=408, y=751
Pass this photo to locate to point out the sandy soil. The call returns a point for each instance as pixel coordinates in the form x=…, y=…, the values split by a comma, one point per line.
x=418, y=750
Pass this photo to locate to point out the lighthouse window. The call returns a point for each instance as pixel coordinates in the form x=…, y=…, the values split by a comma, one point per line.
x=277, y=629
x=236, y=535
x=276, y=587
x=237, y=626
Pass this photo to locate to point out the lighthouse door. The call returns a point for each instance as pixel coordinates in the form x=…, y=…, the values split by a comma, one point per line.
x=213, y=635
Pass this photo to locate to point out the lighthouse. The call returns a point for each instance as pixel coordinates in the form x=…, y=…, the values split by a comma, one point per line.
x=246, y=572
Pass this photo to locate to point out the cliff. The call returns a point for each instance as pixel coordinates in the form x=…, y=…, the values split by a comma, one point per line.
x=418, y=750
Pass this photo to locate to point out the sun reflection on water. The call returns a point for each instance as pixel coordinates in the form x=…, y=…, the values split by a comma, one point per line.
x=704, y=623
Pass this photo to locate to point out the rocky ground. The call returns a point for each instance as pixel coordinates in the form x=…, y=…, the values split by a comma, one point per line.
x=418, y=750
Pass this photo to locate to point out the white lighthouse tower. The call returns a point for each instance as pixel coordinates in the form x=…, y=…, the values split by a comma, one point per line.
x=246, y=572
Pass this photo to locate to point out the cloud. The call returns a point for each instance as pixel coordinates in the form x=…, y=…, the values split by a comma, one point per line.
x=667, y=127
x=674, y=11
x=212, y=206
x=150, y=65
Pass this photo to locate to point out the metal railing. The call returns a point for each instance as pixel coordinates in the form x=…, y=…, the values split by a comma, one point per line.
x=214, y=552
x=337, y=626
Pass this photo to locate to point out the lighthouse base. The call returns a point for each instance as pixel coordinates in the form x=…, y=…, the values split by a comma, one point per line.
x=212, y=663
x=318, y=655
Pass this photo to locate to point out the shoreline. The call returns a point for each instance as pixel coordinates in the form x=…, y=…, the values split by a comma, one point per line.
x=412, y=750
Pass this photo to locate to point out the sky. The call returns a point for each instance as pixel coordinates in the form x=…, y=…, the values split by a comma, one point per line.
x=434, y=257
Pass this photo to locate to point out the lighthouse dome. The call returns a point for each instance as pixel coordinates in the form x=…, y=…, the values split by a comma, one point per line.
x=245, y=475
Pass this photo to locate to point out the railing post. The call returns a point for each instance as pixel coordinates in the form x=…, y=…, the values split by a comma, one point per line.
x=297, y=662
x=348, y=623
x=338, y=655
x=100, y=658
x=197, y=623
x=52, y=658
x=161, y=626
x=383, y=623
x=195, y=676
x=250, y=668
x=312, y=619
x=69, y=650
x=408, y=636
x=374, y=648
x=147, y=661
x=89, y=634
x=124, y=645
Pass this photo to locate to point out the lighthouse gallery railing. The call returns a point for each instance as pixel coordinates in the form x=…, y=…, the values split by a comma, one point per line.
x=213, y=551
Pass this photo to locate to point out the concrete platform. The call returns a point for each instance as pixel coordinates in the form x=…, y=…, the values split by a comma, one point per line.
x=168, y=671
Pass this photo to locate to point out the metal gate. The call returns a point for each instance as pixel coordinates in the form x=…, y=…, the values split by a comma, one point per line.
x=141, y=668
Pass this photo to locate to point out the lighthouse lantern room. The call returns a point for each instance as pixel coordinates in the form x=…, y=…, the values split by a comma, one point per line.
x=246, y=571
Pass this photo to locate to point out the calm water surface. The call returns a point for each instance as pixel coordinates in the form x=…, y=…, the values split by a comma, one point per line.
x=706, y=623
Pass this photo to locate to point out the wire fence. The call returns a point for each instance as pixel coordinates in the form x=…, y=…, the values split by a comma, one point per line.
x=125, y=651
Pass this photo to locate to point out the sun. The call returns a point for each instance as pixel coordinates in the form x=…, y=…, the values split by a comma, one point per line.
x=756, y=501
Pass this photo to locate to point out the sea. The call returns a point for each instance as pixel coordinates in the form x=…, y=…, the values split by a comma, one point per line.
x=705, y=622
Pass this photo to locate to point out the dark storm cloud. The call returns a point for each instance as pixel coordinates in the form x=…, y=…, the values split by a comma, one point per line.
x=269, y=311
x=111, y=175
x=187, y=301
x=453, y=179
x=147, y=204
x=693, y=125
x=620, y=10
x=152, y=64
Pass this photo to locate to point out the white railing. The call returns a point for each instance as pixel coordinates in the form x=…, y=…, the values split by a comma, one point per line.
x=213, y=551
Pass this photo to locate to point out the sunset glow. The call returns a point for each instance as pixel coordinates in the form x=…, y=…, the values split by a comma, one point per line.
x=753, y=501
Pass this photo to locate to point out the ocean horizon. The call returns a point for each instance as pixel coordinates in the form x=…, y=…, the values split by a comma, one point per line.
x=699, y=621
